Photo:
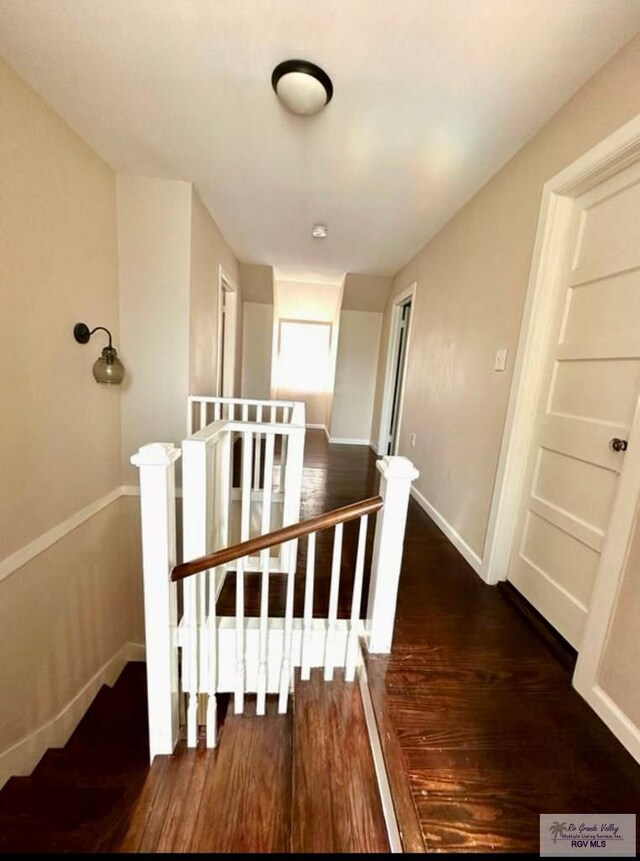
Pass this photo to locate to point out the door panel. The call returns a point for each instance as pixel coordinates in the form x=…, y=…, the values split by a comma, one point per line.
x=589, y=394
x=595, y=389
x=577, y=487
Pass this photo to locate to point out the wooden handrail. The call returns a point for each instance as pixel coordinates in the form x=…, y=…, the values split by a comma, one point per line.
x=279, y=536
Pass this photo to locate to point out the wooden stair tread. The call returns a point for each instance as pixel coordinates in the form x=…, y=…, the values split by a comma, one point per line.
x=247, y=794
x=335, y=801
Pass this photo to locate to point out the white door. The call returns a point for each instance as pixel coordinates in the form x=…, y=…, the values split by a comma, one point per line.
x=589, y=394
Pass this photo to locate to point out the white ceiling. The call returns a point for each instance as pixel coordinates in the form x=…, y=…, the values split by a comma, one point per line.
x=431, y=98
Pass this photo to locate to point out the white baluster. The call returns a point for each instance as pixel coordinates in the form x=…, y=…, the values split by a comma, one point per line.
x=225, y=452
x=157, y=505
x=240, y=660
x=305, y=673
x=257, y=465
x=397, y=474
x=356, y=600
x=232, y=412
x=330, y=643
x=190, y=405
x=203, y=414
x=245, y=412
x=245, y=504
x=264, y=586
x=195, y=488
x=212, y=632
x=216, y=411
x=272, y=415
x=285, y=673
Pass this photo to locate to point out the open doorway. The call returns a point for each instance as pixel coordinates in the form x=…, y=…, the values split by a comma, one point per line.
x=399, y=338
x=227, y=327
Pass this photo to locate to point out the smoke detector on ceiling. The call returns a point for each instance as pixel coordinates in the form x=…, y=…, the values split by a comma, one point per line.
x=319, y=231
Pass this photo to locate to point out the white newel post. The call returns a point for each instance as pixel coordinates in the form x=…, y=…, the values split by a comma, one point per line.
x=156, y=463
x=397, y=473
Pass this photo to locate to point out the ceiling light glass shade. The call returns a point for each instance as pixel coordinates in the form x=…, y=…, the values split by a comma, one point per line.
x=108, y=368
x=302, y=87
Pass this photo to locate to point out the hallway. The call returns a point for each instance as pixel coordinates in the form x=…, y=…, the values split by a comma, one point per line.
x=475, y=708
x=490, y=730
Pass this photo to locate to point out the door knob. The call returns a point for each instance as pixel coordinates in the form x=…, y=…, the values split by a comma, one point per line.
x=618, y=444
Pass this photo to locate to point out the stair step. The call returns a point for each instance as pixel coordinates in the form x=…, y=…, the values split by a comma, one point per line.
x=299, y=782
x=335, y=801
x=247, y=794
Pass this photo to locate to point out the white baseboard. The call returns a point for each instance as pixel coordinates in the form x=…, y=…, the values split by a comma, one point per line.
x=374, y=447
x=22, y=758
x=616, y=720
x=347, y=441
x=459, y=543
x=375, y=746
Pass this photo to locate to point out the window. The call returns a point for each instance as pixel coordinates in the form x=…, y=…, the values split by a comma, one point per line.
x=303, y=356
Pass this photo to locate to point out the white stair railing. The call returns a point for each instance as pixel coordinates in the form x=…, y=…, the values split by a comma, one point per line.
x=240, y=654
x=258, y=654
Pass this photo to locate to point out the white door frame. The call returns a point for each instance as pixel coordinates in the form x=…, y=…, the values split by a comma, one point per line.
x=392, y=351
x=615, y=153
x=226, y=387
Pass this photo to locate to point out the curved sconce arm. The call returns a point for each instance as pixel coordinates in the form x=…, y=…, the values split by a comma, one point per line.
x=107, y=368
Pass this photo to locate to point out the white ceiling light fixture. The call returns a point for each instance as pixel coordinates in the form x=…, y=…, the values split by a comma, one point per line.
x=302, y=87
x=319, y=231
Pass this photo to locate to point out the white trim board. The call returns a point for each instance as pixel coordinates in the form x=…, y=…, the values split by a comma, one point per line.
x=375, y=746
x=22, y=757
x=409, y=293
x=56, y=533
x=615, y=719
x=347, y=441
x=458, y=542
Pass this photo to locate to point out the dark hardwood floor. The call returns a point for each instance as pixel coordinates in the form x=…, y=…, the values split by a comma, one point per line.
x=476, y=710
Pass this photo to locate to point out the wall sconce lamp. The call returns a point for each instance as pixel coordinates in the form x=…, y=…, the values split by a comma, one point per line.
x=107, y=368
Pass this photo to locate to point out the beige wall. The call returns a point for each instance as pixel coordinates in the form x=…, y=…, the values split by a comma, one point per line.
x=472, y=278
x=257, y=283
x=256, y=357
x=154, y=230
x=209, y=252
x=365, y=292
x=58, y=266
x=356, y=368
x=63, y=616
x=65, y=613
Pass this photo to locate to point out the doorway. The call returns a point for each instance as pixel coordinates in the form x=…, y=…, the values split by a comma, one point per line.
x=227, y=328
x=399, y=340
x=575, y=408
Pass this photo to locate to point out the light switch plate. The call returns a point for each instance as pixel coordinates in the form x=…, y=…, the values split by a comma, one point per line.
x=501, y=360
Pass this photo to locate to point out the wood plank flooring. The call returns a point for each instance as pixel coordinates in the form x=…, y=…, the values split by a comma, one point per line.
x=476, y=708
x=335, y=801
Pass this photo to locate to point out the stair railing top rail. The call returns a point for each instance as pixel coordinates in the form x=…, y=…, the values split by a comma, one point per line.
x=202, y=409
x=278, y=536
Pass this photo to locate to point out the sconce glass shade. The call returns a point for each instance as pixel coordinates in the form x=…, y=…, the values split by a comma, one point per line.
x=108, y=368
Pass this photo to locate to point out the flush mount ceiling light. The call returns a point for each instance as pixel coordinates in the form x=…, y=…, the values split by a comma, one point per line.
x=302, y=87
x=319, y=231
